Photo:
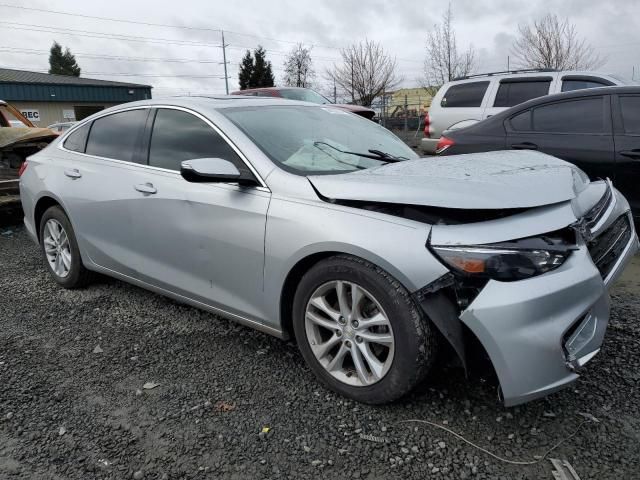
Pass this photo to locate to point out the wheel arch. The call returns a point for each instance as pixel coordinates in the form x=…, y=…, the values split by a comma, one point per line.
x=45, y=202
x=307, y=260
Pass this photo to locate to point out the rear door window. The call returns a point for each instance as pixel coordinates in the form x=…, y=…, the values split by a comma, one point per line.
x=630, y=108
x=118, y=136
x=77, y=141
x=512, y=93
x=464, y=95
x=585, y=115
x=179, y=136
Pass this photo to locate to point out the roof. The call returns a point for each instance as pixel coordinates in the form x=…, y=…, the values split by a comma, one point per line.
x=219, y=101
x=8, y=75
x=499, y=117
x=583, y=92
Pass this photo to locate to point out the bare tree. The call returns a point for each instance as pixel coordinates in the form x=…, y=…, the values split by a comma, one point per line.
x=552, y=42
x=443, y=62
x=298, y=67
x=366, y=72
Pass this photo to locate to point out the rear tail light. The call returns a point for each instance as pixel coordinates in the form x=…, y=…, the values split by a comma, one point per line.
x=443, y=144
x=427, y=125
x=22, y=168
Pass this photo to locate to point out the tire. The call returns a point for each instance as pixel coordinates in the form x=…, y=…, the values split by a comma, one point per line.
x=413, y=346
x=75, y=275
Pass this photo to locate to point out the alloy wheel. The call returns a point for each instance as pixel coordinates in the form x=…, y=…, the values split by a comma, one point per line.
x=349, y=333
x=57, y=248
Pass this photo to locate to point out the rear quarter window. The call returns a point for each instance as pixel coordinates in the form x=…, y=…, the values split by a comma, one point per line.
x=464, y=95
x=77, y=141
x=521, y=122
x=569, y=85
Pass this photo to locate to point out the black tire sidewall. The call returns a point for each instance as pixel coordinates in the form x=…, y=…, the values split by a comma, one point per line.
x=74, y=278
x=414, y=341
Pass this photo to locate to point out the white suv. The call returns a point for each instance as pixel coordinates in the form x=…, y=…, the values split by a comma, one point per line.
x=468, y=100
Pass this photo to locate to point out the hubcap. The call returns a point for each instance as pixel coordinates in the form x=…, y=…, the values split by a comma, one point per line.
x=57, y=248
x=349, y=333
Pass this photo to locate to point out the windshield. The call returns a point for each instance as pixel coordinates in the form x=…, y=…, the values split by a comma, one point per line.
x=303, y=94
x=317, y=140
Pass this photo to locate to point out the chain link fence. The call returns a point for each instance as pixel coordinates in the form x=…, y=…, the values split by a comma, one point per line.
x=403, y=116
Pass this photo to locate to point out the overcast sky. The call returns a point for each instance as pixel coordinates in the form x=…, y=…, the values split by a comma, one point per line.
x=490, y=26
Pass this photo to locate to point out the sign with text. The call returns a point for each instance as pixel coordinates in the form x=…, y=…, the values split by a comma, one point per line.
x=32, y=115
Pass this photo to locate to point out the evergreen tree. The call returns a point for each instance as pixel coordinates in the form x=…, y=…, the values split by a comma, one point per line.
x=62, y=63
x=246, y=70
x=262, y=75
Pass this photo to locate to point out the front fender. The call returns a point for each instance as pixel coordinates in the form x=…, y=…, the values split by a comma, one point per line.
x=296, y=230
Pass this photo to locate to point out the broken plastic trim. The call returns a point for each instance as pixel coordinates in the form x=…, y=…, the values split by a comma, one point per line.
x=424, y=214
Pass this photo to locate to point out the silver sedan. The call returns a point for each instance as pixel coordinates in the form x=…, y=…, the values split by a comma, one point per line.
x=306, y=221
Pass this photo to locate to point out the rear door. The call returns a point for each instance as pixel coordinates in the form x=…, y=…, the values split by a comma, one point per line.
x=98, y=188
x=577, y=130
x=626, y=110
x=516, y=90
x=204, y=241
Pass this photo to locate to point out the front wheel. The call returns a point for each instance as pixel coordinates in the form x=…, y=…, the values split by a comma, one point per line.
x=360, y=332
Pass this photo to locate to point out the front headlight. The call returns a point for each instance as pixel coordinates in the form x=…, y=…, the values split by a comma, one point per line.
x=500, y=261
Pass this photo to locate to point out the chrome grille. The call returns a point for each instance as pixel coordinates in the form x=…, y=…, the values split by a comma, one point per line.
x=606, y=248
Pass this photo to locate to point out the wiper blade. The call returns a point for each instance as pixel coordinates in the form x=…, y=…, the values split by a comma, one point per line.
x=372, y=153
x=386, y=156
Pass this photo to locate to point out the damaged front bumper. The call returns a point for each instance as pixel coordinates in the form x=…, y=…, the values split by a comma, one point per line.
x=540, y=331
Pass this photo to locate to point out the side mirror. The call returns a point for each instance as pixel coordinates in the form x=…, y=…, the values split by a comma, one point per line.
x=210, y=170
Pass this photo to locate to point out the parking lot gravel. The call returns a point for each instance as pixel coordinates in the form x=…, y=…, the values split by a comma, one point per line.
x=114, y=382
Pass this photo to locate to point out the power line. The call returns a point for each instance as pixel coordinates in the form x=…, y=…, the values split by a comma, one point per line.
x=57, y=12
x=165, y=25
x=31, y=51
x=134, y=38
x=108, y=36
x=122, y=74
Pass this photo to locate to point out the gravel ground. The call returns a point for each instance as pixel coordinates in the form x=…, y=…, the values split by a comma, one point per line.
x=234, y=403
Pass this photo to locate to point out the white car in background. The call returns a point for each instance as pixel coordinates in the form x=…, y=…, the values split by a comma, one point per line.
x=467, y=100
x=61, y=127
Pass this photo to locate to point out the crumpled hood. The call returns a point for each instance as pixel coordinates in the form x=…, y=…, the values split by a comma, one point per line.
x=13, y=135
x=491, y=180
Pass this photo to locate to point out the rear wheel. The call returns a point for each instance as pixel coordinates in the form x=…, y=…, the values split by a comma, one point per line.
x=360, y=331
x=60, y=250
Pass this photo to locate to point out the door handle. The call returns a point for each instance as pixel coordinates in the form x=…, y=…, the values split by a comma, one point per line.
x=524, y=146
x=635, y=154
x=72, y=173
x=145, y=188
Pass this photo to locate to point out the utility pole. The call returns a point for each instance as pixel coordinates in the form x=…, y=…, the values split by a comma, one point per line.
x=224, y=59
x=335, y=96
x=508, y=61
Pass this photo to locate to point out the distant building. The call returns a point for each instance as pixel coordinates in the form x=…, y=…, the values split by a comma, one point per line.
x=418, y=101
x=45, y=99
